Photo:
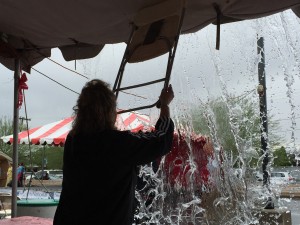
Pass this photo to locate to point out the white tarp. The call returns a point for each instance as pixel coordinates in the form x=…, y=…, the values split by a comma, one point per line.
x=81, y=28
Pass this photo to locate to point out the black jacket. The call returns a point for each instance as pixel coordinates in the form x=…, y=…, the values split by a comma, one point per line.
x=100, y=174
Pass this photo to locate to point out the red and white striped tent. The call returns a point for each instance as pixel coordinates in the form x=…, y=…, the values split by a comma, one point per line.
x=56, y=133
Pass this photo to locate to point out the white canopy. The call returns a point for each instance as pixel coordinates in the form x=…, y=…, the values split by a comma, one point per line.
x=29, y=29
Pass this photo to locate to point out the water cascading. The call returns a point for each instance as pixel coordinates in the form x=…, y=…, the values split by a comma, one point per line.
x=211, y=84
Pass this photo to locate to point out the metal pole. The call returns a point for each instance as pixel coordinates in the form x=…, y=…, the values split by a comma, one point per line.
x=263, y=110
x=15, y=139
x=43, y=163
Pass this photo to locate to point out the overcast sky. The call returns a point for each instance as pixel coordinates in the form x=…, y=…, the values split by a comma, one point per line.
x=200, y=72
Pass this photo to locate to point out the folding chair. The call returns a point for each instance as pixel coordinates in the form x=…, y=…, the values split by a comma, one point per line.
x=156, y=31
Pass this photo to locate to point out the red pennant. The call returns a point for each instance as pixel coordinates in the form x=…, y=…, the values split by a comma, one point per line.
x=22, y=86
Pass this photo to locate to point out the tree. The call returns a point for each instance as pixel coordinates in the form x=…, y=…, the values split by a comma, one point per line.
x=235, y=124
x=281, y=158
x=6, y=128
x=53, y=156
x=33, y=154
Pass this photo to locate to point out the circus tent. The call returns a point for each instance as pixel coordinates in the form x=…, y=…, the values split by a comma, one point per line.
x=55, y=133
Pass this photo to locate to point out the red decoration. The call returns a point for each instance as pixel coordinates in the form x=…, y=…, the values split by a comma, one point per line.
x=22, y=86
x=185, y=155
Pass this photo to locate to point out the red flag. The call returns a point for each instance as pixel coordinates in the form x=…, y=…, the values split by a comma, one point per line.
x=22, y=86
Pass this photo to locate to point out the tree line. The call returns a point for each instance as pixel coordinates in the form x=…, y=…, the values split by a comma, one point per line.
x=233, y=124
x=33, y=155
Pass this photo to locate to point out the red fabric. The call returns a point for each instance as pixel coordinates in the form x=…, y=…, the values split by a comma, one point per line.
x=24, y=134
x=61, y=139
x=178, y=162
x=26, y=220
x=51, y=130
x=22, y=86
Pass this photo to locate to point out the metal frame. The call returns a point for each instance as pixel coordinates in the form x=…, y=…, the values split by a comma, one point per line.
x=117, y=85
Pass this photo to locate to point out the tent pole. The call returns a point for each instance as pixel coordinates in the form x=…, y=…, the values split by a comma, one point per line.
x=43, y=163
x=15, y=139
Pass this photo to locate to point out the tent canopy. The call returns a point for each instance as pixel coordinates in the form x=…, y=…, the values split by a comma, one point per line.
x=56, y=133
x=29, y=29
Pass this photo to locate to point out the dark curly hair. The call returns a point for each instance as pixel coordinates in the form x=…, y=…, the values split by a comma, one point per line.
x=95, y=109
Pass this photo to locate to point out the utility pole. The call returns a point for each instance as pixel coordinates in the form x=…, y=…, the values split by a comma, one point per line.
x=22, y=118
x=261, y=89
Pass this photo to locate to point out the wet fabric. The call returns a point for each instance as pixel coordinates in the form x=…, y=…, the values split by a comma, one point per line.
x=100, y=175
x=31, y=35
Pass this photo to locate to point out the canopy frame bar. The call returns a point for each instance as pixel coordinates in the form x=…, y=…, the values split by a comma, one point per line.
x=172, y=51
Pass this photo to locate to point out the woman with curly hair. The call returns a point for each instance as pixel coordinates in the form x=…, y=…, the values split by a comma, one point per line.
x=112, y=156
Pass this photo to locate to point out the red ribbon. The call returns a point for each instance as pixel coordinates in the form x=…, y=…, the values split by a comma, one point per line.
x=22, y=86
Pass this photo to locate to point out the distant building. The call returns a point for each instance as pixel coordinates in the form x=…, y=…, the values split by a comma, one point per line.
x=5, y=162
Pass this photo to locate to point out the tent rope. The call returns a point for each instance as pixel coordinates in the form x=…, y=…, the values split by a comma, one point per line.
x=30, y=155
x=55, y=81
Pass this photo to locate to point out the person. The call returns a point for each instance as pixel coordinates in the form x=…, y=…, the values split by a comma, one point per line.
x=9, y=176
x=45, y=176
x=113, y=157
x=20, y=174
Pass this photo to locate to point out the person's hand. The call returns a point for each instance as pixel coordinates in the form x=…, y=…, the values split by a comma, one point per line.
x=166, y=96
